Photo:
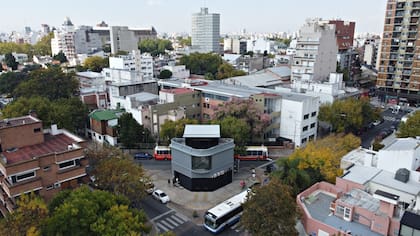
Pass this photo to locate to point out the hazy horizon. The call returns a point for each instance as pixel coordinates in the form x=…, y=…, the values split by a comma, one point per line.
x=175, y=16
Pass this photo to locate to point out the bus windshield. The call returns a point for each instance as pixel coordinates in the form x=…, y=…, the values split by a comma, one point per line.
x=210, y=222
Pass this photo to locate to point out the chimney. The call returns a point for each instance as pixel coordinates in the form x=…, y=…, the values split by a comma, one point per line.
x=54, y=129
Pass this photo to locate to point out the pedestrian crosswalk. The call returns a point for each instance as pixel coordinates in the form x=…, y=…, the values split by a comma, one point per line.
x=170, y=222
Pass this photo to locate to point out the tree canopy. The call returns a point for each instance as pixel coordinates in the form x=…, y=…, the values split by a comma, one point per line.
x=10, y=61
x=42, y=47
x=172, y=129
x=226, y=70
x=60, y=57
x=131, y=133
x=184, y=41
x=349, y=115
x=411, y=127
x=155, y=46
x=51, y=83
x=165, y=74
x=96, y=63
x=238, y=129
x=247, y=111
x=10, y=80
x=271, y=210
x=202, y=63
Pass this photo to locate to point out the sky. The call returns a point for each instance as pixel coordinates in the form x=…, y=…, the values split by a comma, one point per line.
x=175, y=15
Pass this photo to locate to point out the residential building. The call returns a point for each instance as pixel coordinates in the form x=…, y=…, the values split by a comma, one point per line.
x=399, y=70
x=378, y=194
x=344, y=32
x=95, y=98
x=134, y=61
x=205, y=31
x=178, y=71
x=33, y=159
x=370, y=53
x=122, y=39
x=201, y=159
x=316, y=51
x=103, y=126
x=139, y=33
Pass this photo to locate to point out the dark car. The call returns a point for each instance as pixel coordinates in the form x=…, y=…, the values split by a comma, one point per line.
x=143, y=155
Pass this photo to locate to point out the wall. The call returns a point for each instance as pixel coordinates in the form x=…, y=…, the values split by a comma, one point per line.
x=20, y=136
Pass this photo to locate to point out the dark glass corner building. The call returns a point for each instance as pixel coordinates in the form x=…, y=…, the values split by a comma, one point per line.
x=202, y=160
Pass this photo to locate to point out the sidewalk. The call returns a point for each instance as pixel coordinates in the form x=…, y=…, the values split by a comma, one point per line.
x=188, y=202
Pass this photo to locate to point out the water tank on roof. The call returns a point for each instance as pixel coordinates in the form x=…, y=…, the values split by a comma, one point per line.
x=402, y=175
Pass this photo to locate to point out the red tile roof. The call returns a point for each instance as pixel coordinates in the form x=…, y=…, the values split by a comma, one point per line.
x=51, y=144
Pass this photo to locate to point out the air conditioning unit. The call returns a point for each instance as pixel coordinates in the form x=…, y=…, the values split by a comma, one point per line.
x=57, y=185
x=207, y=99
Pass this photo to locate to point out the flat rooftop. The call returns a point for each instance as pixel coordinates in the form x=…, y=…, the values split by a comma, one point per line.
x=319, y=209
x=403, y=144
x=202, y=131
x=386, y=178
x=360, y=174
x=6, y=123
x=51, y=144
x=177, y=90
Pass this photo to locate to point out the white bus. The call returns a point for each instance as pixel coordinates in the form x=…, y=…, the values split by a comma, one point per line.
x=254, y=153
x=224, y=214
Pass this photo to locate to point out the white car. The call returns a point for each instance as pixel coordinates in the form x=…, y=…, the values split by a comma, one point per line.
x=161, y=196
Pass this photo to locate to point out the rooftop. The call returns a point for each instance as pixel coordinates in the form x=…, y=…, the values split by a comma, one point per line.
x=6, y=123
x=51, y=144
x=104, y=114
x=360, y=198
x=202, y=131
x=143, y=96
x=90, y=74
x=177, y=90
x=360, y=174
x=356, y=156
x=386, y=179
x=319, y=209
x=403, y=144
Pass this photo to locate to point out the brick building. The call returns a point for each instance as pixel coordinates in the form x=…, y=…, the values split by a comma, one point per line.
x=33, y=159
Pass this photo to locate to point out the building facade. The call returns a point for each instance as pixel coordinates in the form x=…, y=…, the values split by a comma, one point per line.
x=37, y=160
x=399, y=66
x=316, y=51
x=122, y=39
x=202, y=160
x=205, y=31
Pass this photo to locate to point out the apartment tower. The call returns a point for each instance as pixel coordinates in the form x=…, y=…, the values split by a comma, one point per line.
x=399, y=64
x=205, y=31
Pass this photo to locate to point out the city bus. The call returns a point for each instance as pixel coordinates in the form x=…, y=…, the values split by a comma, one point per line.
x=225, y=214
x=162, y=153
x=254, y=153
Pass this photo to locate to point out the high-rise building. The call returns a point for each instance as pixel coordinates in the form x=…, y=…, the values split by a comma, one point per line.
x=399, y=65
x=205, y=31
x=122, y=39
x=316, y=51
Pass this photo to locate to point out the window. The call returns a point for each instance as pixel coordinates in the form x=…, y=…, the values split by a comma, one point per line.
x=201, y=163
x=339, y=211
x=306, y=116
x=312, y=125
x=313, y=114
x=23, y=177
x=46, y=168
x=49, y=187
x=304, y=140
x=66, y=164
x=36, y=130
x=305, y=128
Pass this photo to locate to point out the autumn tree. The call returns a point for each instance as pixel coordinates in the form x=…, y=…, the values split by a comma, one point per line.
x=271, y=210
x=51, y=83
x=96, y=63
x=28, y=217
x=174, y=129
x=348, y=115
x=411, y=127
x=247, y=111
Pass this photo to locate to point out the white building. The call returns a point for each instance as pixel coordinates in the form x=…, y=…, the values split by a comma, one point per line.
x=205, y=31
x=180, y=71
x=259, y=45
x=134, y=61
x=370, y=54
x=316, y=51
x=122, y=39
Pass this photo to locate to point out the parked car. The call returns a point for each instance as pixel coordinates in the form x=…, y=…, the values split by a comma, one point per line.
x=160, y=196
x=143, y=155
x=376, y=122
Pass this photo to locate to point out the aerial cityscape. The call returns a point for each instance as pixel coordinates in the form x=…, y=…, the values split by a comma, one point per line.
x=161, y=117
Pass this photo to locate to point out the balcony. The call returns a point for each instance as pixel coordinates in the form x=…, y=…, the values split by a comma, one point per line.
x=71, y=173
x=23, y=186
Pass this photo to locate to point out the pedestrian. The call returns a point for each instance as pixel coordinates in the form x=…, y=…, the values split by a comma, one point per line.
x=173, y=181
x=169, y=181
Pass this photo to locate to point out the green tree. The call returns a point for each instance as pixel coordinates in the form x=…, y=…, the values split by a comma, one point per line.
x=245, y=110
x=172, y=129
x=129, y=131
x=29, y=216
x=271, y=210
x=86, y=212
x=289, y=174
x=238, y=129
x=9, y=81
x=155, y=46
x=60, y=57
x=185, y=41
x=43, y=46
x=51, y=83
x=226, y=70
x=165, y=74
x=10, y=61
x=411, y=127
x=202, y=63
x=96, y=63
x=348, y=115
x=22, y=106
